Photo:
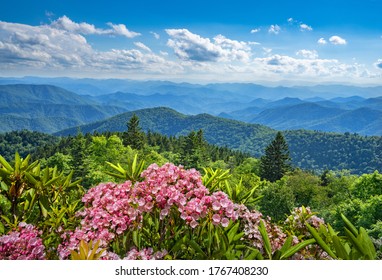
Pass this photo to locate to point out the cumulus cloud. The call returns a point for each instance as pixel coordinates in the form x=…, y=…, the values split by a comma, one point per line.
x=310, y=54
x=48, y=47
x=65, y=23
x=142, y=46
x=62, y=48
x=378, y=64
x=255, y=30
x=337, y=40
x=120, y=29
x=322, y=41
x=314, y=68
x=274, y=29
x=192, y=47
x=305, y=27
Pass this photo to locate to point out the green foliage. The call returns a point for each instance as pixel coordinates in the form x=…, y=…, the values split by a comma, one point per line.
x=278, y=200
x=305, y=188
x=132, y=172
x=367, y=185
x=88, y=251
x=310, y=150
x=44, y=197
x=287, y=250
x=275, y=163
x=219, y=179
x=356, y=245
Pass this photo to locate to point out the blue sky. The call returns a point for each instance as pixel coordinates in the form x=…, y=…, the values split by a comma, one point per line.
x=198, y=41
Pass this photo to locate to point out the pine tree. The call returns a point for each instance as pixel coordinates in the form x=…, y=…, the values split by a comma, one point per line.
x=276, y=161
x=134, y=137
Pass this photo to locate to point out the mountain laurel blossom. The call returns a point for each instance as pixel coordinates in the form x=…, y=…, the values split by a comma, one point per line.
x=24, y=243
x=112, y=209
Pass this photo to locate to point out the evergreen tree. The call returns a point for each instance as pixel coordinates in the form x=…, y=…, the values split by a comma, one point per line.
x=276, y=161
x=134, y=137
x=193, y=152
x=77, y=152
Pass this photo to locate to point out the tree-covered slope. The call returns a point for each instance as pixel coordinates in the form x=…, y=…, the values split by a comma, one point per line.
x=309, y=149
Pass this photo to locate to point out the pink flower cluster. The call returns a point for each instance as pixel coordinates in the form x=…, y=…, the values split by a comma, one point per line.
x=134, y=254
x=22, y=244
x=172, y=186
x=111, y=209
x=297, y=220
x=217, y=206
x=145, y=254
x=251, y=230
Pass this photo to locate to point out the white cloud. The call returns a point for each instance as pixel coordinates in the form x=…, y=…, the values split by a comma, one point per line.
x=378, y=64
x=305, y=27
x=274, y=29
x=254, y=43
x=255, y=30
x=192, y=47
x=63, y=49
x=156, y=35
x=120, y=29
x=290, y=20
x=315, y=69
x=337, y=40
x=310, y=54
x=47, y=48
x=322, y=41
x=65, y=23
x=142, y=46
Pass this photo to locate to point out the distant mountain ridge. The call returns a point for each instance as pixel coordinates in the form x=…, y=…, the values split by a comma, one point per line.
x=47, y=108
x=300, y=108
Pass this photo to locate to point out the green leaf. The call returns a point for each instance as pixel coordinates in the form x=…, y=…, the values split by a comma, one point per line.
x=197, y=248
x=232, y=232
x=136, y=239
x=349, y=225
x=5, y=163
x=287, y=244
x=293, y=250
x=340, y=249
x=320, y=241
x=2, y=228
x=266, y=241
x=4, y=186
x=44, y=206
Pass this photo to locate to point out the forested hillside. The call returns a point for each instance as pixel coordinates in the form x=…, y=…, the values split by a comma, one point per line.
x=312, y=150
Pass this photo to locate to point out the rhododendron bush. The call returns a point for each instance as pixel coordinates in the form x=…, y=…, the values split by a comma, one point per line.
x=167, y=214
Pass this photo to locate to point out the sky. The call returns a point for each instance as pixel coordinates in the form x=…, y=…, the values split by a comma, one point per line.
x=268, y=42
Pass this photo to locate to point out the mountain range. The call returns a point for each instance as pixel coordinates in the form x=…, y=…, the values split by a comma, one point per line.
x=50, y=108
x=239, y=125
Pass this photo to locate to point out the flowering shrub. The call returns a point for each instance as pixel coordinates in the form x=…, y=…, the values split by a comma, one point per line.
x=22, y=244
x=252, y=234
x=299, y=216
x=295, y=224
x=114, y=209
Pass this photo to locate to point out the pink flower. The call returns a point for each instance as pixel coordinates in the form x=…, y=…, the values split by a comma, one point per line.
x=24, y=243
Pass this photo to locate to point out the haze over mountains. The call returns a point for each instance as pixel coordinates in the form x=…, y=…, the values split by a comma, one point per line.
x=71, y=102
